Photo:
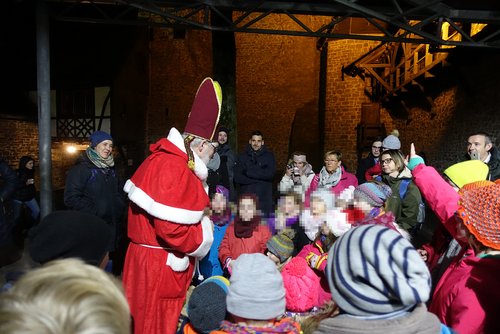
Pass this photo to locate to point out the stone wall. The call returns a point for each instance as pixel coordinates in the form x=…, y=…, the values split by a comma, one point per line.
x=277, y=91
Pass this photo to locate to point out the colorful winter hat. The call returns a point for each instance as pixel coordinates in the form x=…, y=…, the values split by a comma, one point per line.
x=373, y=193
x=467, y=172
x=479, y=209
x=281, y=244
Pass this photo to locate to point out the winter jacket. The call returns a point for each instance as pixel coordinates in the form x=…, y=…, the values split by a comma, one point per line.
x=8, y=184
x=466, y=297
x=364, y=165
x=254, y=172
x=287, y=182
x=232, y=246
x=210, y=264
x=97, y=191
x=313, y=250
x=417, y=321
x=405, y=209
x=227, y=162
x=493, y=164
x=25, y=192
x=346, y=179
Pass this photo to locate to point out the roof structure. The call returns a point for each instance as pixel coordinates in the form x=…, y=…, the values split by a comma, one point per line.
x=412, y=21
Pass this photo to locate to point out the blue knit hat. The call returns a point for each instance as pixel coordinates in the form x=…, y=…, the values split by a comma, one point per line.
x=98, y=137
x=373, y=193
x=373, y=270
x=391, y=142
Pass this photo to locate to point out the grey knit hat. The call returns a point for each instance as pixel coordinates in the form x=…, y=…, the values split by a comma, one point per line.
x=373, y=270
x=391, y=142
x=256, y=290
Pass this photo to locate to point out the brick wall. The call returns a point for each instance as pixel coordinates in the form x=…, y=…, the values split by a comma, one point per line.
x=177, y=67
x=20, y=137
x=277, y=90
x=344, y=99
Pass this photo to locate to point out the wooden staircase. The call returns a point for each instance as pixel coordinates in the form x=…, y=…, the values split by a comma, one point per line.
x=390, y=67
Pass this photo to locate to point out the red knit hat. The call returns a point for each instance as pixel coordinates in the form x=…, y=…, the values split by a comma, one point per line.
x=204, y=116
x=479, y=209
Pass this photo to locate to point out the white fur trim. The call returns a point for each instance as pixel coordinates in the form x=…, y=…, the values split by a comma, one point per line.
x=337, y=222
x=208, y=238
x=177, y=263
x=158, y=210
x=200, y=169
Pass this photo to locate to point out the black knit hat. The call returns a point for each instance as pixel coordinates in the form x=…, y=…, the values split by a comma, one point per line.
x=207, y=305
x=66, y=234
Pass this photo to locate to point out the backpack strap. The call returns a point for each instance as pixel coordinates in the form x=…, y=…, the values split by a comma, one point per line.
x=403, y=188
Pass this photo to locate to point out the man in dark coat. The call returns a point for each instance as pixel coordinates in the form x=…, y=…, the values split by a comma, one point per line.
x=369, y=161
x=254, y=172
x=480, y=146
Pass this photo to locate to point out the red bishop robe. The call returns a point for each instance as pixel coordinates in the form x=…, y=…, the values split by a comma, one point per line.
x=168, y=231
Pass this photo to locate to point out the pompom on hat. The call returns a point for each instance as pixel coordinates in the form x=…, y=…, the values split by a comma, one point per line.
x=466, y=172
x=479, y=209
x=301, y=285
x=98, y=137
x=256, y=290
x=391, y=142
x=206, y=307
x=373, y=270
x=373, y=193
x=281, y=244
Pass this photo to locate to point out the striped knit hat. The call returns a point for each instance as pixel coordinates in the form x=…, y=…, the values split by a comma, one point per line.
x=373, y=193
x=373, y=270
x=281, y=244
x=479, y=209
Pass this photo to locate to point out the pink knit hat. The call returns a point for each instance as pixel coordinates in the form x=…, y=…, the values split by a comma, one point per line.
x=301, y=285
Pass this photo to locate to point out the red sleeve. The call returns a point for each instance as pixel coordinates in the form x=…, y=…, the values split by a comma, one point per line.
x=224, y=248
x=312, y=187
x=373, y=171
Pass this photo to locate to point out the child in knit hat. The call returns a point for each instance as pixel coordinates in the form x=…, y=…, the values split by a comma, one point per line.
x=221, y=216
x=380, y=285
x=256, y=298
x=246, y=234
x=206, y=307
x=370, y=198
x=280, y=248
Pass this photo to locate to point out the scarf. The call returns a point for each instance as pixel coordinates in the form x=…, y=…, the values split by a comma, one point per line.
x=244, y=229
x=284, y=326
x=97, y=160
x=327, y=180
x=221, y=219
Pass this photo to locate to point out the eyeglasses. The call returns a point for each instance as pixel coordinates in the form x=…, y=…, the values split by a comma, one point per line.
x=386, y=161
x=377, y=147
x=213, y=146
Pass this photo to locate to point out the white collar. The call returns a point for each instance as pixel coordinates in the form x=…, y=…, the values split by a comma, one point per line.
x=200, y=169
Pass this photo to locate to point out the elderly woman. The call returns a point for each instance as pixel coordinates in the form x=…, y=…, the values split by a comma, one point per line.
x=298, y=175
x=332, y=176
x=93, y=186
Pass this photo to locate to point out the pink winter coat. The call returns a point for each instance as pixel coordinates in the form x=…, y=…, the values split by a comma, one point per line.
x=306, y=253
x=346, y=179
x=467, y=297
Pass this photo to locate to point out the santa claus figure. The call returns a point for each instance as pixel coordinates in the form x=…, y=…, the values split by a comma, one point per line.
x=166, y=222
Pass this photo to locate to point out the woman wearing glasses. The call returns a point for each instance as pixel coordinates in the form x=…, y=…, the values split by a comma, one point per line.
x=332, y=176
x=406, y=199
